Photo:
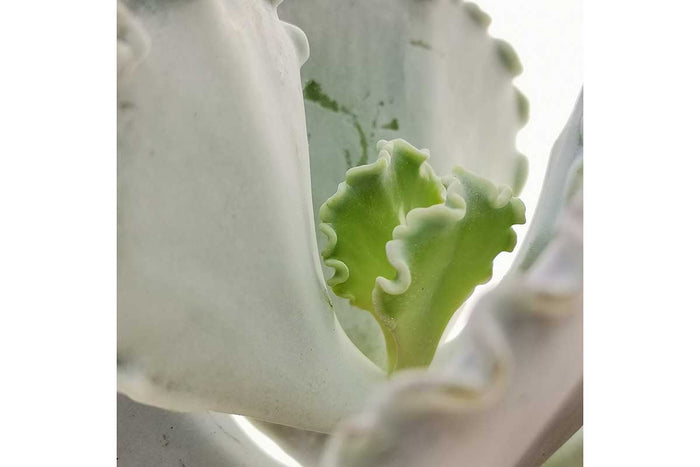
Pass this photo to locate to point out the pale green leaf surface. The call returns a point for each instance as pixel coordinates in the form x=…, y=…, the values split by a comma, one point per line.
x=221, y=300
x=410, y=251
x=441, y=254
x=360, y=218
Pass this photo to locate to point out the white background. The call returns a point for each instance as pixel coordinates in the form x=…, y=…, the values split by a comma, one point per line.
x=547, y=36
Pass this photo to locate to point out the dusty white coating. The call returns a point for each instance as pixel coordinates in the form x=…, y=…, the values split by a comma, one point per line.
x=221, y=301
x=222, y=304
x=428, y=64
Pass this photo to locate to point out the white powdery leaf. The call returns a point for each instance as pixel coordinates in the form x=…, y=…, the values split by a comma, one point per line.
x=222, y=304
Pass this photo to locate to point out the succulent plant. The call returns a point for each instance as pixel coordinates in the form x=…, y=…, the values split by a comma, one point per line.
x=228, y=161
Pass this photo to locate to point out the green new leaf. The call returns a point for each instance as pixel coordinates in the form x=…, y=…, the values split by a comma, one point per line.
x=360, y=218
x=410, y=248
x=441, y=254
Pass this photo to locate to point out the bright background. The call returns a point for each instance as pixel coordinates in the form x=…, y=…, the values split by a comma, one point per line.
x=547, y=36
